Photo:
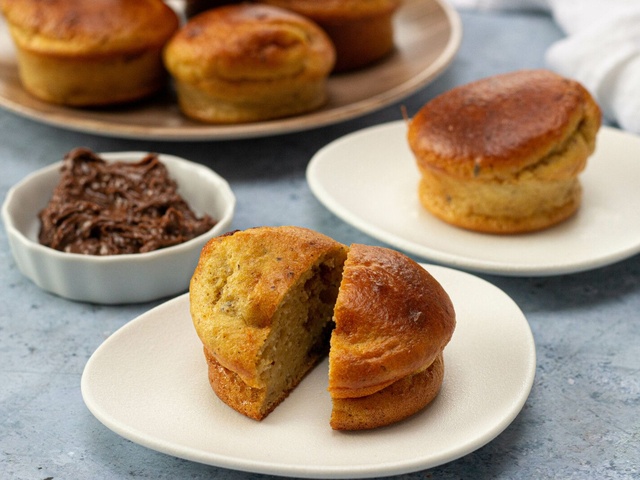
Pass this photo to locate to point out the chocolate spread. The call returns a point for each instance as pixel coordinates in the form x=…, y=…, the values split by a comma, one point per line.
x=109, y=208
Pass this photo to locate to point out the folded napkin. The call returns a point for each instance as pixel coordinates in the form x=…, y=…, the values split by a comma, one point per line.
x=601, y=49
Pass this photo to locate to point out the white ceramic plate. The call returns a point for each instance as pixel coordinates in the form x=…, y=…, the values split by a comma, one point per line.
x=148, y=383
x=370, y=180
x=428, y=35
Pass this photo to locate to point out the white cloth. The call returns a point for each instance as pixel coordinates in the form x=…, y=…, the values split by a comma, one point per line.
x=601, y=49
x=500, y=4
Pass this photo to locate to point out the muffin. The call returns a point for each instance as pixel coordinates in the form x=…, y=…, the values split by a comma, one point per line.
x=265, y=301
x=261, y=302
x=503, y=154
x=361, y=30
x=247, y=63
x=90, y=53
x=392, y=323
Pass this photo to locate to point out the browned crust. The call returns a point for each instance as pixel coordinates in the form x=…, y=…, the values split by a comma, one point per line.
x=233, y=391
x=90, y=53
x=502, y=155
x=248, y=42
x=400, y=400
x=361, y=30
x=360, y=42
x=502, y=124
x=248, y=62
x=392, y=320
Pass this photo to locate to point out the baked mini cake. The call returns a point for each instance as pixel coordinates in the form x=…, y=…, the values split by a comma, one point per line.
x=392, y=323
x=90, y=53
x=503, y=154
x=264, y=303
x=246, y=63
x=361, y=30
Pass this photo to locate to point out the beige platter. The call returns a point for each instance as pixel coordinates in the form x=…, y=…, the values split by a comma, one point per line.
x=427, y=36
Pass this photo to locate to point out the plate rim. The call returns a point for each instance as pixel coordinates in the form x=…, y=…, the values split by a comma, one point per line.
x=62, y=117
x=430, y=254
x=361, y=470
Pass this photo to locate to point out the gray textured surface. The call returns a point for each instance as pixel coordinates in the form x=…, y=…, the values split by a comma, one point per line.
x=580, y=421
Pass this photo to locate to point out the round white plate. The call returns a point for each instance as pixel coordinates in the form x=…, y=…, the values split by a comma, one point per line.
x=370, y=180
x=427, y=37
x=148, y=383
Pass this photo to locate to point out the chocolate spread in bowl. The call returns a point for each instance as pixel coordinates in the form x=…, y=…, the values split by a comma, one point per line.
x=110, y=208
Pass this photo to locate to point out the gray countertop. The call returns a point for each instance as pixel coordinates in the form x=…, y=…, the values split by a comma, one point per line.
x=580, y=421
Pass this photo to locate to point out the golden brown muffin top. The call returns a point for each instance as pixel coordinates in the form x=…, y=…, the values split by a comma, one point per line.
x=392, y=319
x=89, y=26
x=501, y=123
x=331, y=10
x=248, y=42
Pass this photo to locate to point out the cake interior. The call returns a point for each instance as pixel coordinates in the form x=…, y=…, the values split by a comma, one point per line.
x=300, y=331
